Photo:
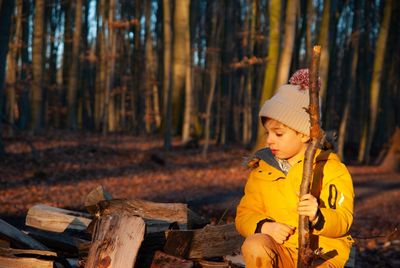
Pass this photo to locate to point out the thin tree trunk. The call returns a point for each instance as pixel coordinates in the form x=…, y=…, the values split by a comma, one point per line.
x=167, y=56
x=214, y=67
x=272, y=61
x=6, y=11
x=324, y=42
x=287, y=52
x=187, y=119
x=377, y=75
x=350, y=91
x=109, y=109
x=101, y=67
x=73, y=71
x=12, y=67
x=37, y=60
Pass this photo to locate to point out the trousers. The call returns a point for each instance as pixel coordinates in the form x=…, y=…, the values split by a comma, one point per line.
x=262, y=251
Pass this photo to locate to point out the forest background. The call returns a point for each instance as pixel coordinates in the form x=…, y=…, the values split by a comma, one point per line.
x=132, y=95
x=197, y=69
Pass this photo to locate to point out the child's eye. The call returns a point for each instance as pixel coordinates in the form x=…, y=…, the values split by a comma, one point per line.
x=279, y=134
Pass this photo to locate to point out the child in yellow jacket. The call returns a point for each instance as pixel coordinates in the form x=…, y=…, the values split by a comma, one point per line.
x=267, y=215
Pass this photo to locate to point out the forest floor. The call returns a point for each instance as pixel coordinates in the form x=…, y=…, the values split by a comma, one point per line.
x=67, y=166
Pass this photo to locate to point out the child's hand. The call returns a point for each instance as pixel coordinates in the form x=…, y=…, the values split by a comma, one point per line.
x=280, y=232
x=308, y=206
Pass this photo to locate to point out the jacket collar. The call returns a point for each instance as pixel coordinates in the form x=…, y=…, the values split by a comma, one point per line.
x=266, y=155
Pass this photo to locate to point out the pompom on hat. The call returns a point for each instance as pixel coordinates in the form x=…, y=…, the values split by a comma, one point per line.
x=290, y=103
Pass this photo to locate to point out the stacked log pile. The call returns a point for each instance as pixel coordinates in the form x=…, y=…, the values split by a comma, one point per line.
x=118, y=233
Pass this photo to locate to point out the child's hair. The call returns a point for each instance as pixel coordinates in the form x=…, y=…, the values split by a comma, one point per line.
x=290, y=104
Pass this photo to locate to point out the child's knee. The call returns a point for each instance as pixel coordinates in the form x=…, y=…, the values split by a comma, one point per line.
x=259, y=245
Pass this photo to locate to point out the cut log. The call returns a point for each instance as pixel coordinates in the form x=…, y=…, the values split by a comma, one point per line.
x=211, y=241
x=95, y=196
x=56, y=219
x=116, y=241
x=169, y=212
x=163, y=260
x=18, y=237
x=61, y=242
x=14, y=262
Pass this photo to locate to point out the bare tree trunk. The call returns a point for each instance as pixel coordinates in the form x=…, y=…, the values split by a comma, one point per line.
x=109, y=109
x=214, y=57
x=6, y=10
x=101, y=67
x=377, y=75
x=350, y=91
x=37, y=59
x=272, y=62
x=324, y=42
x=179, y=61
x=187, y=119
x=73, y=71
x=287, y=52
x=167, y=104
x=12, y=67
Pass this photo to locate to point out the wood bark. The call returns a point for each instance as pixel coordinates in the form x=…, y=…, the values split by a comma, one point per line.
x=18, y=262
x=116, y=241
x=163, y=260
x=37, y=65
x=305, y=255
x=15, y=45
x=60, y=241
x=73, y=71
x=56, y=219
x=324, y=42
x=187, y=117
x=375, y=86
x=16, y=236
x=272, y=62
x=179, y=61
x=167, y=86
x=353, y=79
x=287, y=51
x=214, y=63
x=211, y=241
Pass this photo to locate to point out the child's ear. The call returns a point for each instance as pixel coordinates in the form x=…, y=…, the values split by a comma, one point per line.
x=304, y=138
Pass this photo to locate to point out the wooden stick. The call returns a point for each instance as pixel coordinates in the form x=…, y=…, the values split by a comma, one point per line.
x=305, y=254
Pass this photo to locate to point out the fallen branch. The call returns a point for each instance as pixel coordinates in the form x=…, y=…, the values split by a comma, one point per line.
x=305, y=254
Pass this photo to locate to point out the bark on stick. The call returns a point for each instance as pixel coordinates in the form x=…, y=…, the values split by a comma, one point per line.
x=305, y=256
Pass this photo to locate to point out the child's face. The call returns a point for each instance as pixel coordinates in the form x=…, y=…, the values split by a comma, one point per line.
x=284, y=142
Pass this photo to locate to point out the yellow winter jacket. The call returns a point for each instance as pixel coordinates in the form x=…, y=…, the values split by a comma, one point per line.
x=270, y=194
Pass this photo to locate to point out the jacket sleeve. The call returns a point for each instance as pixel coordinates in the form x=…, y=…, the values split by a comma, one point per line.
x=250, y=210
x=336, y=202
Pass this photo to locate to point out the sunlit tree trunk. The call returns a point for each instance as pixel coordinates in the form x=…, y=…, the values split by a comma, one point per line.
x=323, y=41
x=109, y=107
x=287, y=51
x=166, y=53
x=376, y=79
x=6, y=11
x=309, y=40
x=179, y=61
x=152, y=116
x=247, y=111
x=73, y=71
x=37, y=66
x=187, y=119
x=272, y=61
x=12, y=67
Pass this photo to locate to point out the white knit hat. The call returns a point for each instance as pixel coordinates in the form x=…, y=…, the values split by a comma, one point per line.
x=290, y=103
